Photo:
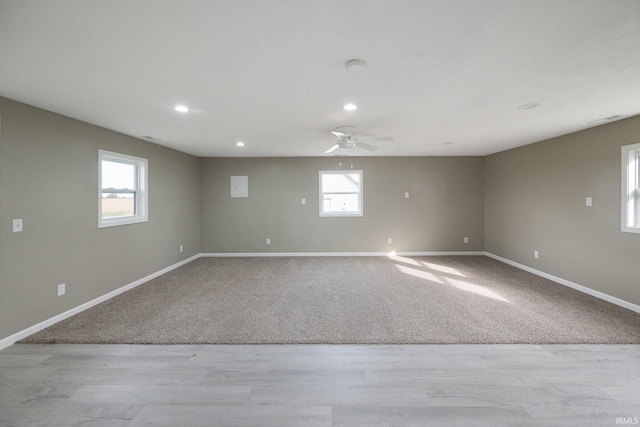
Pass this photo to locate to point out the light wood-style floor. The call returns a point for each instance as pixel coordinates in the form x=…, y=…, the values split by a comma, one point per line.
x=319, y=385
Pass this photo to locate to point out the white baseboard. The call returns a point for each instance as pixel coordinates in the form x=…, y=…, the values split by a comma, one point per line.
x=594, y=293
x=329, y=254
x=6, y=342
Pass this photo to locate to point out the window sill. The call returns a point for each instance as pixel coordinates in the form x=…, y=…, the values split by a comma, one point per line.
x=635, y=230
x=114, y=223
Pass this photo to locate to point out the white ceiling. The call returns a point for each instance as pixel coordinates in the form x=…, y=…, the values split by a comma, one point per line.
x=272, y=72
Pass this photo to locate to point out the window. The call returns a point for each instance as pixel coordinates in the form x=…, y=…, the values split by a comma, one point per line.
x=341, y=193
x=122, y=189
x=631, y=188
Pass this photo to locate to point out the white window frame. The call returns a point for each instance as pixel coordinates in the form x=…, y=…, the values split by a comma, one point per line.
x=141, y=195
x=631, y=188
x=360, y=211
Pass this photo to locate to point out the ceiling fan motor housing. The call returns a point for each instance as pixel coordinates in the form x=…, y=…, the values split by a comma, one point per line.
x=346, y=130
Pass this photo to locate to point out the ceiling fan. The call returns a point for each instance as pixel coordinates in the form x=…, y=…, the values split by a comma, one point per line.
x=347, y=139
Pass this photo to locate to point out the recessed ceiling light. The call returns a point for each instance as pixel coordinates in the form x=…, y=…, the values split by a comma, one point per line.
x=528, y=106
x=240, y=144
x=350, y=107
x=181, y=108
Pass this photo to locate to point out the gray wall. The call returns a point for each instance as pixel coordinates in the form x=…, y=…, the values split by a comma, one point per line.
x=535, y=200
x=48, y=177
x=445, y=205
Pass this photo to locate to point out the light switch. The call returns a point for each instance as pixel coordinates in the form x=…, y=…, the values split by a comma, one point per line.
x=406, y=194
x=304, y=201
x=589, y=201
x=17, y=225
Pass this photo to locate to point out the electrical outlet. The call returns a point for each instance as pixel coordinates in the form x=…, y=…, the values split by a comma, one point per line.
x=61, y=289
x=466, y=240
x=304, y=201
x=535, y=254
x=181, y=248
x=589, y=201
x=406, y=194
x=389, y=240
x=268, y=241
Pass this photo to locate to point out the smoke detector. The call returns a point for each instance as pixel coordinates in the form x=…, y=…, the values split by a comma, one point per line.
x=356, y=65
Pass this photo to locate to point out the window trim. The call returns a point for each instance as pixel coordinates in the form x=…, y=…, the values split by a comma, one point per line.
x=630, y=196
x=360, y=193
x=141, y=192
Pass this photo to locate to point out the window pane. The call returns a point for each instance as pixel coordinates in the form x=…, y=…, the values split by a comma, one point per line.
x=343, y=183
x=636, y=220
x=116, y=205
x=638, y=171
x=118, y=175
x=347, y=203
x=122, y=189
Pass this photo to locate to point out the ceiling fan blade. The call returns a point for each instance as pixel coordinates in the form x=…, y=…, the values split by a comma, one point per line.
x=377, y=138
x=332, y=149
x=366, y=146
x=338, y=134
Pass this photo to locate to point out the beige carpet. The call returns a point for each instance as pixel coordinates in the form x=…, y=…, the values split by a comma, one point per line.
x=348, y=300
